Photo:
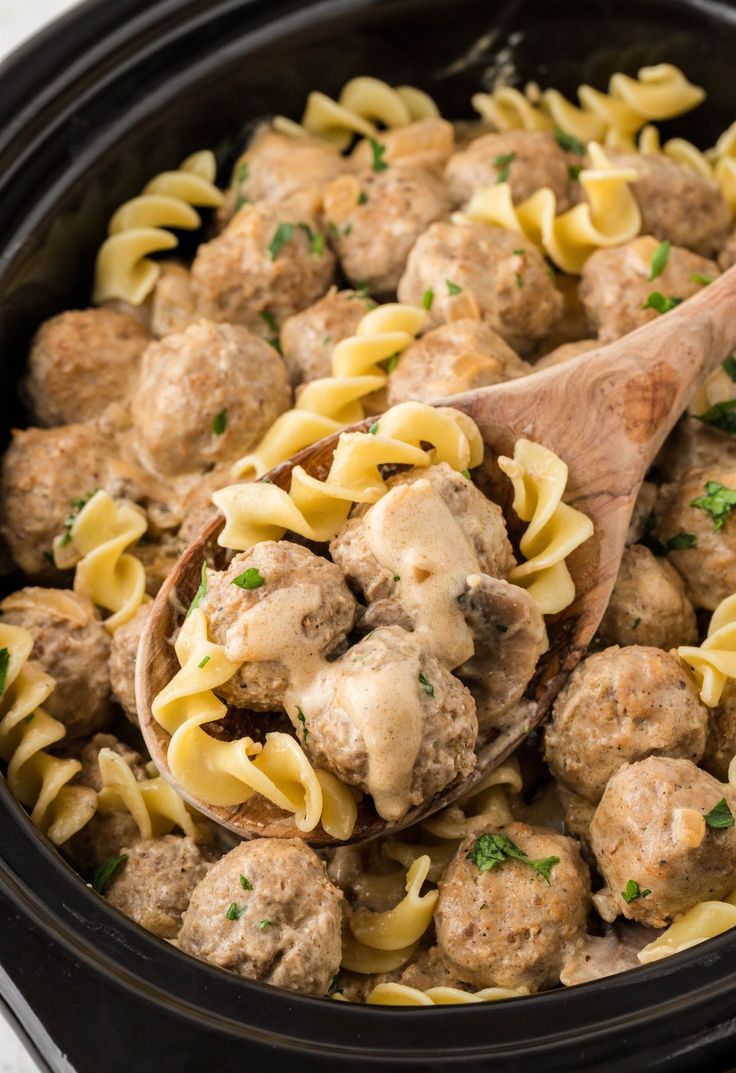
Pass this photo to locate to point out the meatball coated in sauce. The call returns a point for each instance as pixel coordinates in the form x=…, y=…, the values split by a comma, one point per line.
x=207, y=395
x=80, y=362
x=678, y=204
x=295, y=582
x=496, y=273
x=622, y=705
x=506, y=927
x=616, y=284
x=527, y=159
x=269, y=260
x=154, y=885
x=172, y=302
x=72, y=645
x=427, y=143
x=649, y=827
x=648, y=605
x=708, y=568
x=455, y=357
x=123, y=649
x=267, y=911
x=390, y=719
x=720, y=746
x=376, y=217
x=309, y=338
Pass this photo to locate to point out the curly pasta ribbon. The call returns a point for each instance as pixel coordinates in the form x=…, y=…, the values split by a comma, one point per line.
x=609, y=217
x=317, y=509
x=613, y=118
x=554, y=531
x=106, y=574
x=153, y=803
x=363, y=103
x=223, y=773
x=37, y=779
x=394, y=994
x=331, y=403
x=486, y=805
x=139, y=227
x=704, y=921
x=714, y=661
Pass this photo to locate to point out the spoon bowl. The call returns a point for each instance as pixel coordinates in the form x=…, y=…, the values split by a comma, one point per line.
x=606, y=414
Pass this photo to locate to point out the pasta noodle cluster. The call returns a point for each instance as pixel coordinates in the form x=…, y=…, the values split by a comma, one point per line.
x=152, y=802
x=714, y=661
x=609, y=216
x=486, y=806
x=394, y=994
x=363, y=102
x=704, y=921
x=139, y=227
x=330, y=404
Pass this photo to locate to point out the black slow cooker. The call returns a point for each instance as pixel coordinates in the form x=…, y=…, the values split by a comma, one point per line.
x=89, y=110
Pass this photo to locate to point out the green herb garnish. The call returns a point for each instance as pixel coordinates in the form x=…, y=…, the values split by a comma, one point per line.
x=720, y=816
x=334, y=985
x=501, y=628
x=658, y=260
x=491, y=850
x=503, y=162
x=235, y=911
x=77, y=506
x=245, y=883
x=729, y=367
x=428, y=298
x=303, y=720
x=721, y=416
x=201, y=591
x=264, y=924
x=700, y=277
x=392, y=362
x=242, y=173
x=452, y=288
x=636, y=623
x=718, y=501
x=219, y=423
x=426, y=685
x=204, y=661
x=283, y=234
x=466, y=474
x=316, y=240
x=241, y=200
x=573, y=170
x=519, y=280
x=362, y=197
x=657, y=301
x=632, y=891
x=373, y=429
x=102, y=877
x=568, y=142
x=4, y=664
x=377, y=150
x=682, y=541
x=249, y=579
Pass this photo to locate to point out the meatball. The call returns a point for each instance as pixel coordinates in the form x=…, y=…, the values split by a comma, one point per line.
x=499, y=273
x=80, y=362
x=267, y=261
x=427, y=143
x=527, y=159
x=727, y=256
x=309, y=338
x=376, y=217
x=155, y=882
x=707, y=565
x=566, y=352
x=172, y=302
x=390, y=719
x=206, y=395
x=302, y=601
x=720, y=745
x=267, y=911
x=72, y=645
x=505, y=926
x=616, y=284
x=578, y=813
x=481, y=521
x=455, y=357
x=641, y=518
x=650, y=828
x=123, y=649
x=677, y=203
x=622, y=705
x=648, y=605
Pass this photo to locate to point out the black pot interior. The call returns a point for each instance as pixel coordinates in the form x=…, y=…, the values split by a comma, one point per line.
x=113, y=94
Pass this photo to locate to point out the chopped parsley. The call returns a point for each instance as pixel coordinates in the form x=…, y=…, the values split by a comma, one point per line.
x=241, y=175
x=425, y=685
x=519, y=280
x=245, y=883
x=377, y=150
x=201, y=591
x=519, y=251
x=249, y=579
x=657, y=300
x=452, y=288
x=491, y=850
x=77, y=506
x=503, y=163
x=327, y=340
x=720, y=815
x=235, y=911
x=632, y=891
x=658, y=260
x=204, y=661
x=729, y=367
x=283, y=234
x=362, y=197
x=303, y=720
x=682, y=541
x=241, y=200
x=700, y=277
x=4, y=664
x=219, y=423
x=373, y=429
x=567, y=142
x=347, y=229
x=501, y=628
x=392, y=362
x=334, y=231
x=718, y=501
x=273, y=325
x=660, y=547
x=264, y=924
x=721, y=416
x=573, y=170
x=102, y=877
x=316, y=240
x=466, y=474
x=636, y=623
x=428, y=298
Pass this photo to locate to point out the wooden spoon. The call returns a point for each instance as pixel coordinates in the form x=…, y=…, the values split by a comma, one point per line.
x=606, y=414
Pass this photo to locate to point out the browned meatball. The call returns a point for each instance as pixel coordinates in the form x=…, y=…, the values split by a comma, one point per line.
x=207, y=395
x=648, y=605
x=88, y=754
x=615, y=286
x=123, y=649
x=80, y=362
x=155, y=882
x=376, y=217
x=390, y=719
x=527, y=159
x=320, y=605
x=197, y=506
x=720, y=745
x=498, y=272
x=455, y=357
x=268, y=260
x=309, y=338
x=267, y=911
x=427, y=143
x=727, y=256
x=621, y=705
x=641, y=519
x=650, y=828
x=505, y=926
x=578, y=813
x=708, y=567
x=172, y=302
x=678, y=204
x=73, y=646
